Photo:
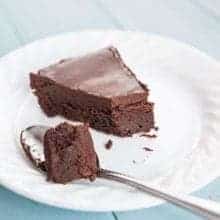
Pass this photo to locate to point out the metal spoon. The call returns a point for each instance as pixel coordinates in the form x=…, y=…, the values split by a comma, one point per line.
x=32, y=138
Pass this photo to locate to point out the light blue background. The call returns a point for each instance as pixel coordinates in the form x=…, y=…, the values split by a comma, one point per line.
x=196, y=22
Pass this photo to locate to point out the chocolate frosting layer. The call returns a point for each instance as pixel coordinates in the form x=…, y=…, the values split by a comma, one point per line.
x=102, y=73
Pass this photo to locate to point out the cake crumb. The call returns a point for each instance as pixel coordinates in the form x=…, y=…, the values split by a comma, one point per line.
x=156, y=128
x=147, y=149
x=109, y=144
x=148, y=135
x=92, y=178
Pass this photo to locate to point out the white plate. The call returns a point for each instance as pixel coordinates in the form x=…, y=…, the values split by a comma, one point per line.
x=185, y=87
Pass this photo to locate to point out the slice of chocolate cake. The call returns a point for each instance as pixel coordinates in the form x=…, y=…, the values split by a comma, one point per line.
x=69, y=153
x=97, y=88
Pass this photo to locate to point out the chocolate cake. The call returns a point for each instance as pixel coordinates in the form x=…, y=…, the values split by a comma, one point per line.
x=69, y=153
x=97, y=88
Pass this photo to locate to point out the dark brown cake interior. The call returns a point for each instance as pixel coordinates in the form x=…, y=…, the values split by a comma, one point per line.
x=69, y=153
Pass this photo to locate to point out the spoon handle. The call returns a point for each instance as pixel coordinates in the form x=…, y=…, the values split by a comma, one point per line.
x=202, y=207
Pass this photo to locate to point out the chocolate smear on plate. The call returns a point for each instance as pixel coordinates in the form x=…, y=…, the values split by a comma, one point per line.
x=147, y=149
x=148, y=135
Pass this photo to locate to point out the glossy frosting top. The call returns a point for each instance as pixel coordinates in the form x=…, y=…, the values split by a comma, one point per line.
x=101, y=73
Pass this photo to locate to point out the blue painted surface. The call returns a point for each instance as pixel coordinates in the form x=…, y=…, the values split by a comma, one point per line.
x=21, y=21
